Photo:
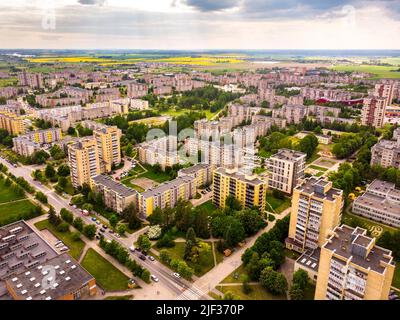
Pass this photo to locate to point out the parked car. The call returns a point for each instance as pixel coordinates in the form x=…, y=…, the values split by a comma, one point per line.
x=98, y=222
x=93, y=219
x=151, y=258
x=65, y=248
x=176, y=275
x=111, y=231
x=104, y=226
x=102, y=230
x=142, y=257
x=132, y=249
x=154, y=278
x=97, y=237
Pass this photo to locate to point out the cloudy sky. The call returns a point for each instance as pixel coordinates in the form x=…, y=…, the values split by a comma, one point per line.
x=200, y=24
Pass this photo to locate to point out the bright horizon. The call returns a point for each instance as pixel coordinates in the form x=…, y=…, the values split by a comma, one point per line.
x=200, y=24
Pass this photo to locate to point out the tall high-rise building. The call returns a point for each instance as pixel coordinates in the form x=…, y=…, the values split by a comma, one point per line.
x=285, y=169
x=109, y=148
x=384, y=90
x=353, y=267
x=137, y=90
x=249, y=190
x=316, y=209
x=84, y=161
x=373, y=112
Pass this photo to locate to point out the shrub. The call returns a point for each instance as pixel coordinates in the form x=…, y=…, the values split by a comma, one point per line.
x=63, y=227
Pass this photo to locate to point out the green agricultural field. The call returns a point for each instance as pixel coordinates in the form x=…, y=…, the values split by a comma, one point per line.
x=14, y=211
x=75, y=247
x=106, y=275
x=378, y=71
x=8, y=82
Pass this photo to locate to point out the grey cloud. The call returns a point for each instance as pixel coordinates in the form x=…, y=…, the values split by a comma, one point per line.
x=212, y=5
x=92, y=2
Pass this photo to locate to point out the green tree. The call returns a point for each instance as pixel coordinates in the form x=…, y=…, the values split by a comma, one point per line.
x=63, y=227
x=113, y=220
x=78, y=224
x=66, y=215
x=200, y=223
x=232, y=203
x=273, y=281
x=165, y=256
x=189, y=244
x=121, y=229
x=145, y=276
x=89, y=231
x=144, y=243
x=63, y=170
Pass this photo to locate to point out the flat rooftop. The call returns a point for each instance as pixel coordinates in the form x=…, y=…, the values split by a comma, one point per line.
x=195, y=168
x=346, y=238
x=314, y=186
x=254, y=180
x=113, y=185
x=69, y=276
x=20, y=248
x=289, y=155
x=310, y=259
x=167, y=186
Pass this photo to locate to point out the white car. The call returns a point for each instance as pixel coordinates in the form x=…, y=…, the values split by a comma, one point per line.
x=176, y=275
x=154, y=278
x=132, y=249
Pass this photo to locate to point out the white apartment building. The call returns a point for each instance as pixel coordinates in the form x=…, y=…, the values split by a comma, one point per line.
x=285, y=169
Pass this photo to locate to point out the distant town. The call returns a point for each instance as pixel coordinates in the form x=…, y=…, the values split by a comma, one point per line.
x=198, y=177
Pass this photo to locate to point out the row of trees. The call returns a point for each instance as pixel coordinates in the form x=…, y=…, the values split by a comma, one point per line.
x=117, y=251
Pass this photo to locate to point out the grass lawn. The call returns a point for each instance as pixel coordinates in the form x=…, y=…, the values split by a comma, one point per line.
x=75, y=247
x=127, y=297
x=7, y=194
x=236, y=276
x=278, y=205
x=208, y=206
x=374, y=228
x=396, y=276
x=156, y=176
x=129, y=184
x=317, y=168
x=106, y=275
x=14, y=211
x=177, y=253
x=176, y=113
x=257, y=293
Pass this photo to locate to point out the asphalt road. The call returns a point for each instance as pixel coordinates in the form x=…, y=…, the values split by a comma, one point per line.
x=180, y=287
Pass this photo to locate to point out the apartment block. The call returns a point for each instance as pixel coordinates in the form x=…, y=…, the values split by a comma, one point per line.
x=373, y=112
x=166, y=195
x=201, y=172
x=109, y=148
x=249, y=190
x=353, y=267
x=387, y=152
x=84, y=162
x=285, y=169
x=14, y=124
x=316, y=209
x=137, y=90
x=116, y=196
x=293, y=113
x=32, y=80
x=380, y=202
x=162, y=151
x=31, y=142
